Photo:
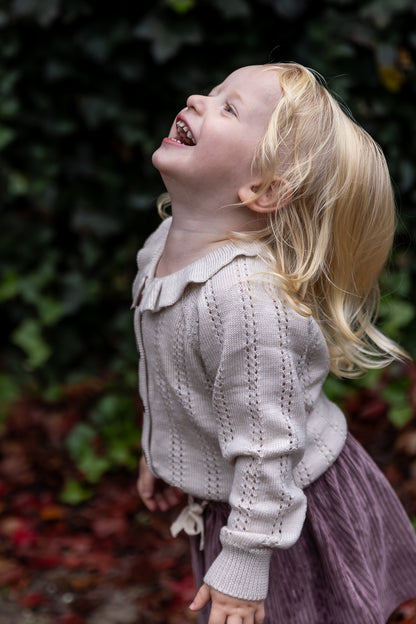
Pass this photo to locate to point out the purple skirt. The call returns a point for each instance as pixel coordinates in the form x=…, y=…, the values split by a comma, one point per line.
x=355, y=560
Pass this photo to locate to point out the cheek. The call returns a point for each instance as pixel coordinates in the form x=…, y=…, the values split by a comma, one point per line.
x=239, y=157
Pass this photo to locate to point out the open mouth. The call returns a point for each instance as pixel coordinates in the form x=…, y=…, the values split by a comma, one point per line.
x=184, y=136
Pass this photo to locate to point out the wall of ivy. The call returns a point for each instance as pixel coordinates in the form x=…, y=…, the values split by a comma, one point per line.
x=87, y=90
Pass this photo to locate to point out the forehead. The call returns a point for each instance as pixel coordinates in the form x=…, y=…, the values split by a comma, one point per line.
x=259, y=82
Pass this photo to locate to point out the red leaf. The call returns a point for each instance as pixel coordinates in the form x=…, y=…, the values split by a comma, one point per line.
x=71, y=618
x=104, y=527
x=4, y=489
x=47, y=562
x=24, y=537
x=374, y=410
x=34, y=600
x=10, y=572
x=80, y=544
x=26, y=503
x=72, y=561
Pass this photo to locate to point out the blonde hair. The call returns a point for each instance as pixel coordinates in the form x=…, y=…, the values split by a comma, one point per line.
x=332, y=230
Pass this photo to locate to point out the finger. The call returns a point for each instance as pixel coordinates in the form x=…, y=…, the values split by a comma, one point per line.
x=218, y=616
x=237, y=619
x=173, y=496
x=259, y=615
x=149, y=502
x=161, y=501
x=167, y=500
x=147, y=480
x=202, y=598
x=145, y=488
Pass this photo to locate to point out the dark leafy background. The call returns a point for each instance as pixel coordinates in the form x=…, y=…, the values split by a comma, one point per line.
x=87, y=90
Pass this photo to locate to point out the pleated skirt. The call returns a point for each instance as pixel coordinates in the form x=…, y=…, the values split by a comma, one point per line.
x=355, y=560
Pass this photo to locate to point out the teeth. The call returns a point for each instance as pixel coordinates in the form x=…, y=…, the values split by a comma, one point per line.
x=184, y=131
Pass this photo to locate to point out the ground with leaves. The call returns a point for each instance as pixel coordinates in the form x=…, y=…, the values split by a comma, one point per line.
x=106, y=561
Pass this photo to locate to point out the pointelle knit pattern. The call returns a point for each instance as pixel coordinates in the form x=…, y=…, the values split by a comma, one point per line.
x=231, y=381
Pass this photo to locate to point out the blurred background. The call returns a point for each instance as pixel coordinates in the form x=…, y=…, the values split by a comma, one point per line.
x=87, y=91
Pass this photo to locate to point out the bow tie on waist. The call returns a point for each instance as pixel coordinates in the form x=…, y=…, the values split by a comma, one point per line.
x=190, y=520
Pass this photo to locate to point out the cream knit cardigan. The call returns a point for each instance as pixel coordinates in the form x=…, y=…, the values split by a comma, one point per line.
x=231, y=380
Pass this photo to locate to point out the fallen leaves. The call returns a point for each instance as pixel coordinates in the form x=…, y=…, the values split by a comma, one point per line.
x=108, y=560
x=105, y=560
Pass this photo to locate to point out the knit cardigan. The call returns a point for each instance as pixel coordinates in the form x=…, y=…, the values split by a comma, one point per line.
x=231, y=381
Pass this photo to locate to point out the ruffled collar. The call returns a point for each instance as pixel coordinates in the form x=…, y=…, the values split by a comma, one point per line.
x=154, y=293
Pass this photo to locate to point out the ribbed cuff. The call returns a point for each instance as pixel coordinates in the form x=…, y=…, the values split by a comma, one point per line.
x=241, y=573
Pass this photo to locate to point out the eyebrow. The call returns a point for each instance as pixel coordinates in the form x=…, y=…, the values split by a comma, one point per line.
x=234, y=94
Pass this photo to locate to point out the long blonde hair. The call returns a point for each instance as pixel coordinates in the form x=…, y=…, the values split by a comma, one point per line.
x=332, y=231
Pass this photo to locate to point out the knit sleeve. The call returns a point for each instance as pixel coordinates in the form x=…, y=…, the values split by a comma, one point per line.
x=253, y=346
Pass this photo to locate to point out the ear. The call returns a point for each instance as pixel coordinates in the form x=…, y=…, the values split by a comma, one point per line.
x=276, y=196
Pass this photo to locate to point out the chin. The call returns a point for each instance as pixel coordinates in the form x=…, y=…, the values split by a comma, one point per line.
x=163, y=163
x=156, y=158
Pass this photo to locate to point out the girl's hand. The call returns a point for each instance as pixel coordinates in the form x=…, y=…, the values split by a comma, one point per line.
x=155, y=493
x=228, y=609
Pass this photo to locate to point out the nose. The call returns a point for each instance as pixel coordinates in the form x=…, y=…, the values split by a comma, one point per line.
x=197, y=102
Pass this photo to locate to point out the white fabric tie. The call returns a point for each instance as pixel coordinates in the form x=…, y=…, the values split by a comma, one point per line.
x=190, y=520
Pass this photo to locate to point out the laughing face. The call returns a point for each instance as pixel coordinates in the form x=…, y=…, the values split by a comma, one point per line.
x=212, y=142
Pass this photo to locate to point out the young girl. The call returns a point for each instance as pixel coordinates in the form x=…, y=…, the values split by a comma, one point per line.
x=262, y=280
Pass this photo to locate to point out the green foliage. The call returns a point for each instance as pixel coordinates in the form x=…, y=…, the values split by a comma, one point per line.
x=396, y=393
x=9, y=392
x=397, y=309
x=75, y=492
x=87, y=90
x=81, y=447
x=181, y=6
x=114, y=418
x=394, y=388
x=109, y=439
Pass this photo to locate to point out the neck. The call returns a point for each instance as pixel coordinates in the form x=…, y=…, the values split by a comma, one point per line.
x=187, y=241
x=200, y=225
